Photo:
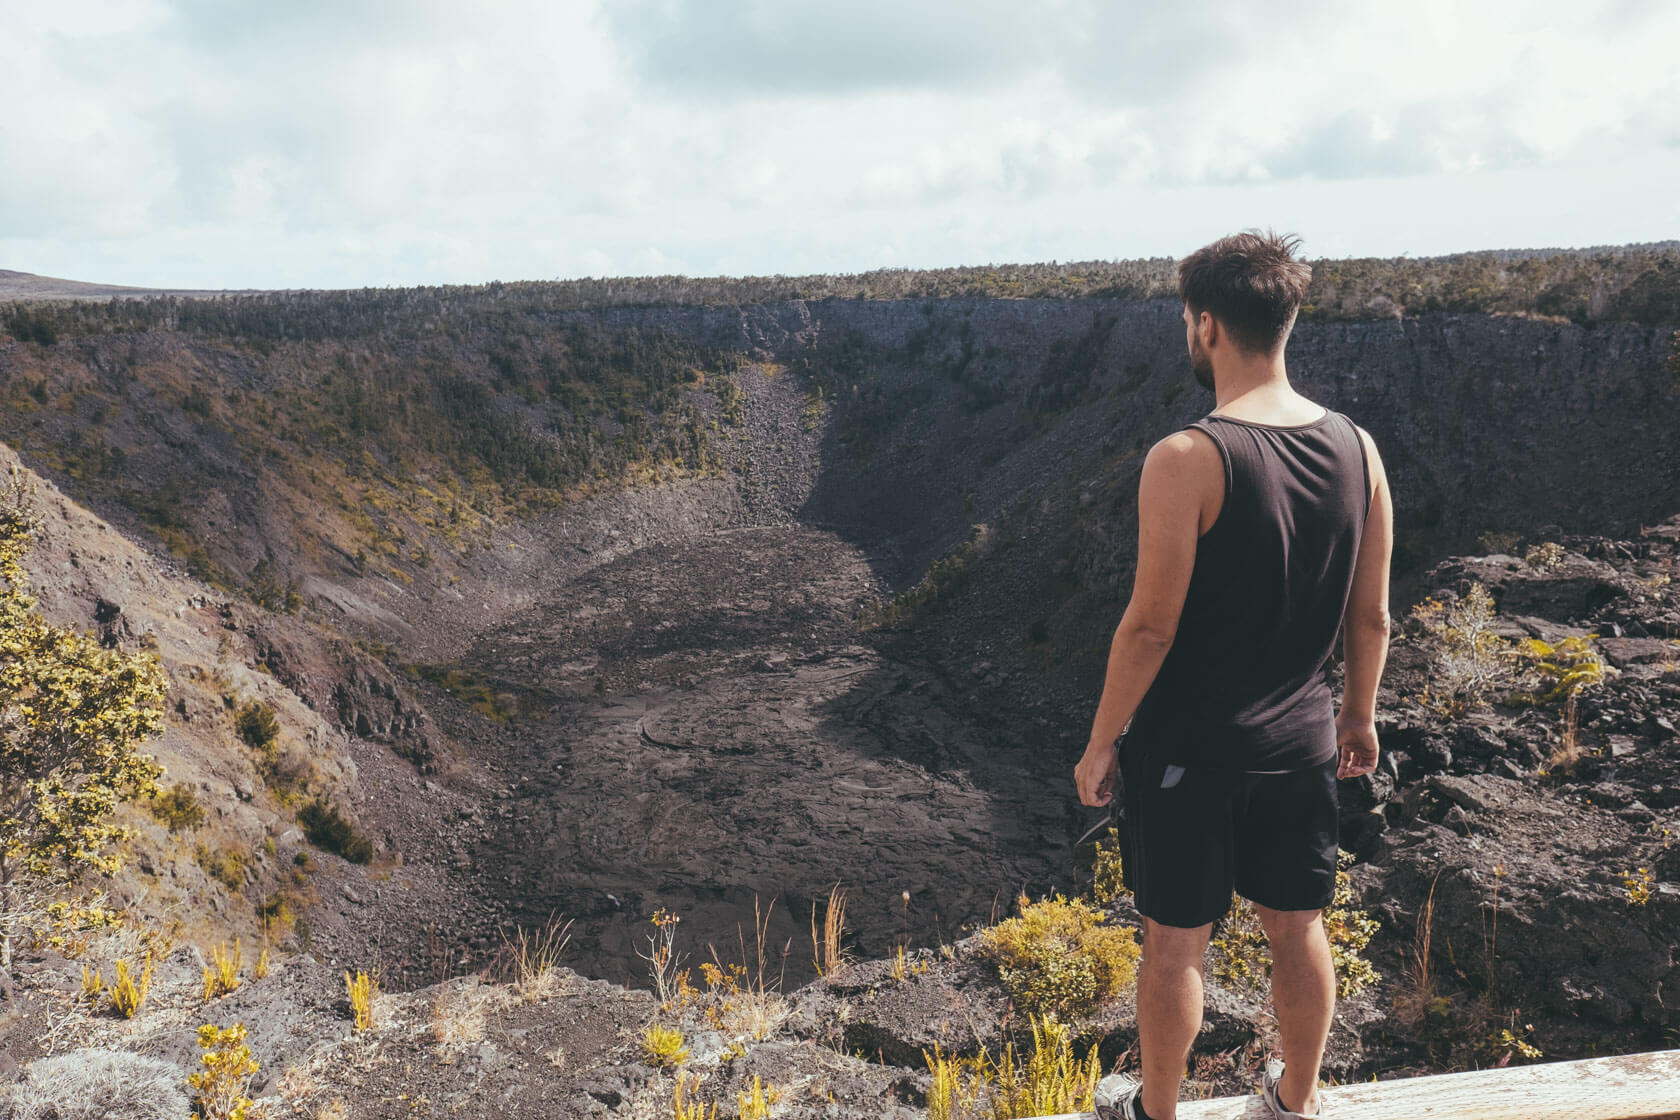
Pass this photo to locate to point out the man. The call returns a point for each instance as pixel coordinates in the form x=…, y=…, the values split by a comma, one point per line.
x=1264, y=530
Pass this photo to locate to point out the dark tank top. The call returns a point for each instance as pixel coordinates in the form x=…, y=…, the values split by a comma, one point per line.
x=1246, y=683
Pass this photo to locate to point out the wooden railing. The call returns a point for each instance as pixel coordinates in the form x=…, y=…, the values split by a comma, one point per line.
x=1626, y=1087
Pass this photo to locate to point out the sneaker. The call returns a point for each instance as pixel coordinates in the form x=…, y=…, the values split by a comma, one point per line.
x=1269, y=1093
x=1115, y=1096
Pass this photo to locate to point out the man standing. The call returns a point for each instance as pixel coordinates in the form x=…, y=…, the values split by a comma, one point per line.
x=1264, y=530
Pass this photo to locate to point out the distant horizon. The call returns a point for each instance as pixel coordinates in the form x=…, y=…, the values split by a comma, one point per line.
x=7, y=272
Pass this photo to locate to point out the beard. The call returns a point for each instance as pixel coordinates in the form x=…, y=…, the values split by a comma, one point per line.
x=1201, y=367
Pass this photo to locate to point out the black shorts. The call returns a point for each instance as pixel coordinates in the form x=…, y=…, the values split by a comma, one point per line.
x=1272, y=838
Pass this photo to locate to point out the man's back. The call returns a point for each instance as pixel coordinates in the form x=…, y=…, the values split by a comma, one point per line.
x=1244, y=686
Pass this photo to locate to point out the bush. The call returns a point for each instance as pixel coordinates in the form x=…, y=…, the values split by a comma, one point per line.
x=97, y=1085
x=1544, y=556
x=224, y=865
x=1057, y=956
x=257, y=725
x=178, y=807
x=1471, y=660
x=327, y=829
x=227, y=1071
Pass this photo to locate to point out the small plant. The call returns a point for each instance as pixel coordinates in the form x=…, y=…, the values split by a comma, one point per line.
x=1057, y=956
x=1559, y=670
x=1108, y=880
x=754, y=1103
x=226, y=1075
x=1349, y=932
x=93, y=982
x=684, y=1110
x=327, y=829
x=1637, y=884
x=221, y=975
x=662, y=955
x=459, y=1014
x=362, y=988
x=1506, y=1044
x=739, y=1003
x=1418, y=1001
x=1242, y=958
x=663, y=1047
x=128, y=992
x=1544, y=556
x=178, y=808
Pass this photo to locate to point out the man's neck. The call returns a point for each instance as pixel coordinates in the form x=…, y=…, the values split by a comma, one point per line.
x=1257, y=383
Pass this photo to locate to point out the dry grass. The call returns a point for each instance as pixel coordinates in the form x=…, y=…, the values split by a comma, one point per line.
x=745, y=1004
x=830, y=958
x=1567, y=754
x=1415, y=1002
x=530, y=960
x=460, y=1014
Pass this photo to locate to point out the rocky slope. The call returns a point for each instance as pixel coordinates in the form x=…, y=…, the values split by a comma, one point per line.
x=1517, y=852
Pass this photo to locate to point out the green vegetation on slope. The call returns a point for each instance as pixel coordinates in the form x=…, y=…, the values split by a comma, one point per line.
x=379, y=426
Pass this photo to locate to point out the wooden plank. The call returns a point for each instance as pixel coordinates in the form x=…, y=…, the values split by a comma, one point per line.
x=1624, y=1087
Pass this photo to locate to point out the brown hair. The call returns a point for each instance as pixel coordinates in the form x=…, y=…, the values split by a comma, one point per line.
x=1252, y=284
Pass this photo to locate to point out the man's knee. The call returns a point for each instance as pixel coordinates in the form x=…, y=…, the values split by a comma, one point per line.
x=1175, y=943
x=1286, y=924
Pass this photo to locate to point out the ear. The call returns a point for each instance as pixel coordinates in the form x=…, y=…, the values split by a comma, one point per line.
x=1207, y=329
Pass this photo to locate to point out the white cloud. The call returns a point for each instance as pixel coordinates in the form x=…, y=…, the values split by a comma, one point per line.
x=198, y=143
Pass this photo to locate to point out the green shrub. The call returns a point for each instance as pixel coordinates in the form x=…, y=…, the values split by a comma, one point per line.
x=178, y=808
x=222, y=864
x=1058, y=956
x=1108, y=880
x=1558, y=670
x=1544, y=556
x=257, y=725
x=327, y=829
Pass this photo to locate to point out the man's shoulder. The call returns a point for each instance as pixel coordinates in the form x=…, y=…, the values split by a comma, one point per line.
x=1187, y=445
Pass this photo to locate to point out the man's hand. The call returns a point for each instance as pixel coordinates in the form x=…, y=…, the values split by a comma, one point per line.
x=1356, y=738
x=1095, y=774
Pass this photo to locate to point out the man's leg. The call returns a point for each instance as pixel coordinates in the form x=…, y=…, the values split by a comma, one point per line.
x=1169, y=1009
x=1304, y=994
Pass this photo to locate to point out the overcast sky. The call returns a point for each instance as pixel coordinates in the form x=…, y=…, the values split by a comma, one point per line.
x=343, y=143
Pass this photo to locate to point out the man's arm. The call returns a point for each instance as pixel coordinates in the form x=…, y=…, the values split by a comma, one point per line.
x=1175, y=479
x=1365, y=628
